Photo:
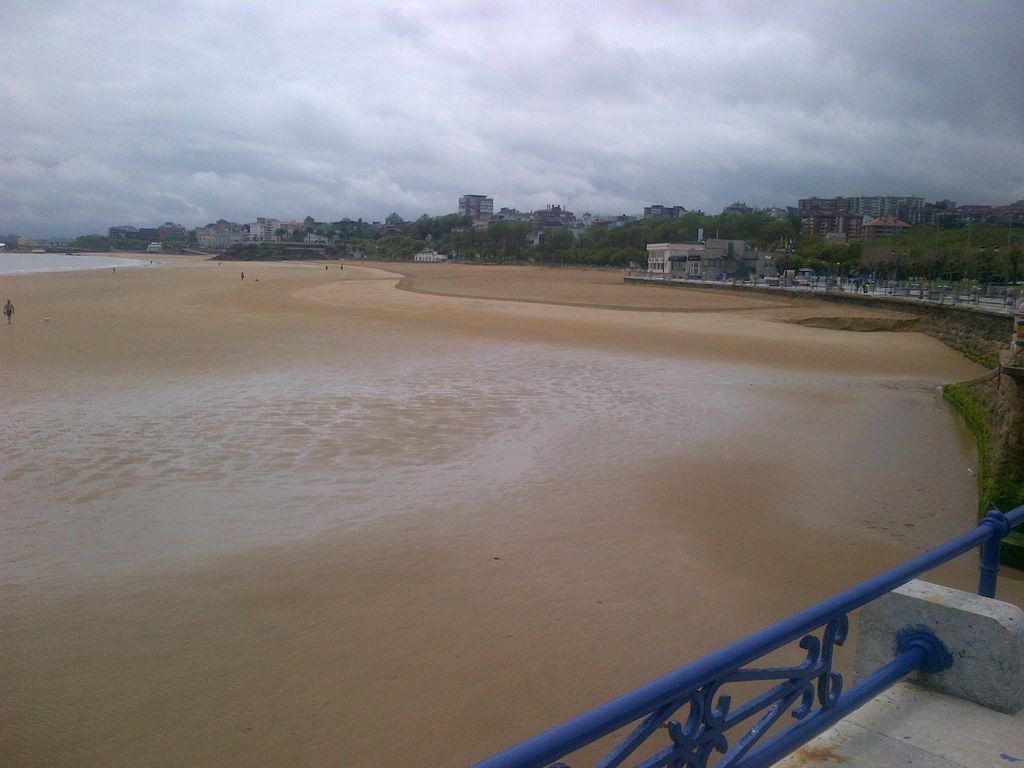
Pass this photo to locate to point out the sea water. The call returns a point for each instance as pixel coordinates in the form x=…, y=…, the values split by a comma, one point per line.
x=28, y=263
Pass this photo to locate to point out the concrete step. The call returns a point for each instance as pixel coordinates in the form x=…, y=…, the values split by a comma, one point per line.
x=910, y=727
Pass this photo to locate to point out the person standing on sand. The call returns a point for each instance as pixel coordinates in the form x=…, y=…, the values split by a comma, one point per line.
x=9, y=311
x=243, y=276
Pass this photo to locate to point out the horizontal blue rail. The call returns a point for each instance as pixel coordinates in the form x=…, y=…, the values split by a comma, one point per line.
x=702, y=734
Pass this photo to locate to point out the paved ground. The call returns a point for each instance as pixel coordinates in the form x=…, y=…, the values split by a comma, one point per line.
x=912, y=728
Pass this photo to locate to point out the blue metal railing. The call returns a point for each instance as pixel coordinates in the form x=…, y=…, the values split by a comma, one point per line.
x=694, y=742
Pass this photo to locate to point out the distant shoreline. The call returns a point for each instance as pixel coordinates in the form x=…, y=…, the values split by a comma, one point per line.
x=43, y=263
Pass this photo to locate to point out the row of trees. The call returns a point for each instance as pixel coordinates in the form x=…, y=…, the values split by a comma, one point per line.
x=613, y=245
x=983, y=253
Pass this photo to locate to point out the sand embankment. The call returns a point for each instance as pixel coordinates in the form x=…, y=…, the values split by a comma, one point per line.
x=307, y=518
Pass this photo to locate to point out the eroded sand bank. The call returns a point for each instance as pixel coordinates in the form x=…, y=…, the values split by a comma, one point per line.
x=311, y=519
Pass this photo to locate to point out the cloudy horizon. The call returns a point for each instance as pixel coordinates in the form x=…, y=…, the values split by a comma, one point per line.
x=128, y=113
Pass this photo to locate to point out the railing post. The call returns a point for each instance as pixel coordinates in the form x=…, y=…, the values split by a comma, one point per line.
x=989, y=565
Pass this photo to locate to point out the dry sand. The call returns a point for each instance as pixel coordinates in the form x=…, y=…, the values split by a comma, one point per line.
x=309, y=519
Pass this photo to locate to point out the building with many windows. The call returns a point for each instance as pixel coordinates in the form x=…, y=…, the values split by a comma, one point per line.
x=264, y=230
x=477, y=207
x=709, y=259
x=835, y=223
x=674, y=259
x=909, y=209
x=664, y=212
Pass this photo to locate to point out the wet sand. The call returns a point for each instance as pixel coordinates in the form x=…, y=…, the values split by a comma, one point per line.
x=312, y=519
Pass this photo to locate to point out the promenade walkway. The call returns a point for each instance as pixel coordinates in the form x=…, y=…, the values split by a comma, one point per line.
x=1002, y=303
x=911, y=727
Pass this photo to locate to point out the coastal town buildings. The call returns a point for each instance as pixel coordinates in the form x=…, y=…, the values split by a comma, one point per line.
x=839, y=218
x=510, y=214
x=220, y=235
x=664, y=211
x=844, y=218
x=840, y=224
x=263, y=230
x=477, y=207
x=123, y=232
x=553, y=216
x=165, y=232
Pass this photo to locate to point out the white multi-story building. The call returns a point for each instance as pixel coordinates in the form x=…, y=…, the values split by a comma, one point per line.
x=675, y=259
x=707, y=260
x=264, y=231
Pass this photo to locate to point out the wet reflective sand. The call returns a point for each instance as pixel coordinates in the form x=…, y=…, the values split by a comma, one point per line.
x=317, y=520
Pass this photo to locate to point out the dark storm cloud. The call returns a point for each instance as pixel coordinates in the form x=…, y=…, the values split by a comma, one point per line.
x=124, y=112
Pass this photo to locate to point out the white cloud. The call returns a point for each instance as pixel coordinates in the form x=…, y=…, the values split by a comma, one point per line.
x=138, y=113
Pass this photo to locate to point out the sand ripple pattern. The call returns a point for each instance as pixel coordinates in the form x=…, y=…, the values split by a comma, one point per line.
x=146, y=474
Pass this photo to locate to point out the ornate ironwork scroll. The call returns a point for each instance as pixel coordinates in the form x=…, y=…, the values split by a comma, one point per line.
x=703, y=735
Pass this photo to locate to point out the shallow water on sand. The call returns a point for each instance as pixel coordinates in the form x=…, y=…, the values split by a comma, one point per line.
x=131, y=478
x=31, y=263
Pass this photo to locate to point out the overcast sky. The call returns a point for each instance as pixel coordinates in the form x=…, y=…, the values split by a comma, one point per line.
x=141, y=112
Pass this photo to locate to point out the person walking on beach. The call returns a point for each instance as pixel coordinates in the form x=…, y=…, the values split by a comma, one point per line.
x=243, y=277
x=9, y=311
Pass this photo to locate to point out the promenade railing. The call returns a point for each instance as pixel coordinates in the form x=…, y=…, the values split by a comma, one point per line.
x=714, y=732
x=999, y=299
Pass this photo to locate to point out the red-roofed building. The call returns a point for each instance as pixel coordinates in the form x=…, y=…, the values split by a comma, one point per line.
x=885, y=227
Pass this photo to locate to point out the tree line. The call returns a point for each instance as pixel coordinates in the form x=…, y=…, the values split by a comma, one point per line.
x=980, y=252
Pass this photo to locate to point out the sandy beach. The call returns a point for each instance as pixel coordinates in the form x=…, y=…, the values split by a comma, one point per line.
x=407, y=514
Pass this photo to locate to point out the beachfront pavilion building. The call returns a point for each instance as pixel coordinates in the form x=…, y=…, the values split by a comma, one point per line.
x=708, y=260
x=675, y=259
x=430, y=257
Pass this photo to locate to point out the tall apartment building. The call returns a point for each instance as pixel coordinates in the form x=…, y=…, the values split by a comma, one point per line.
x=477, y=207
x=264, y=230
x=124, y=232
x=836, y=223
